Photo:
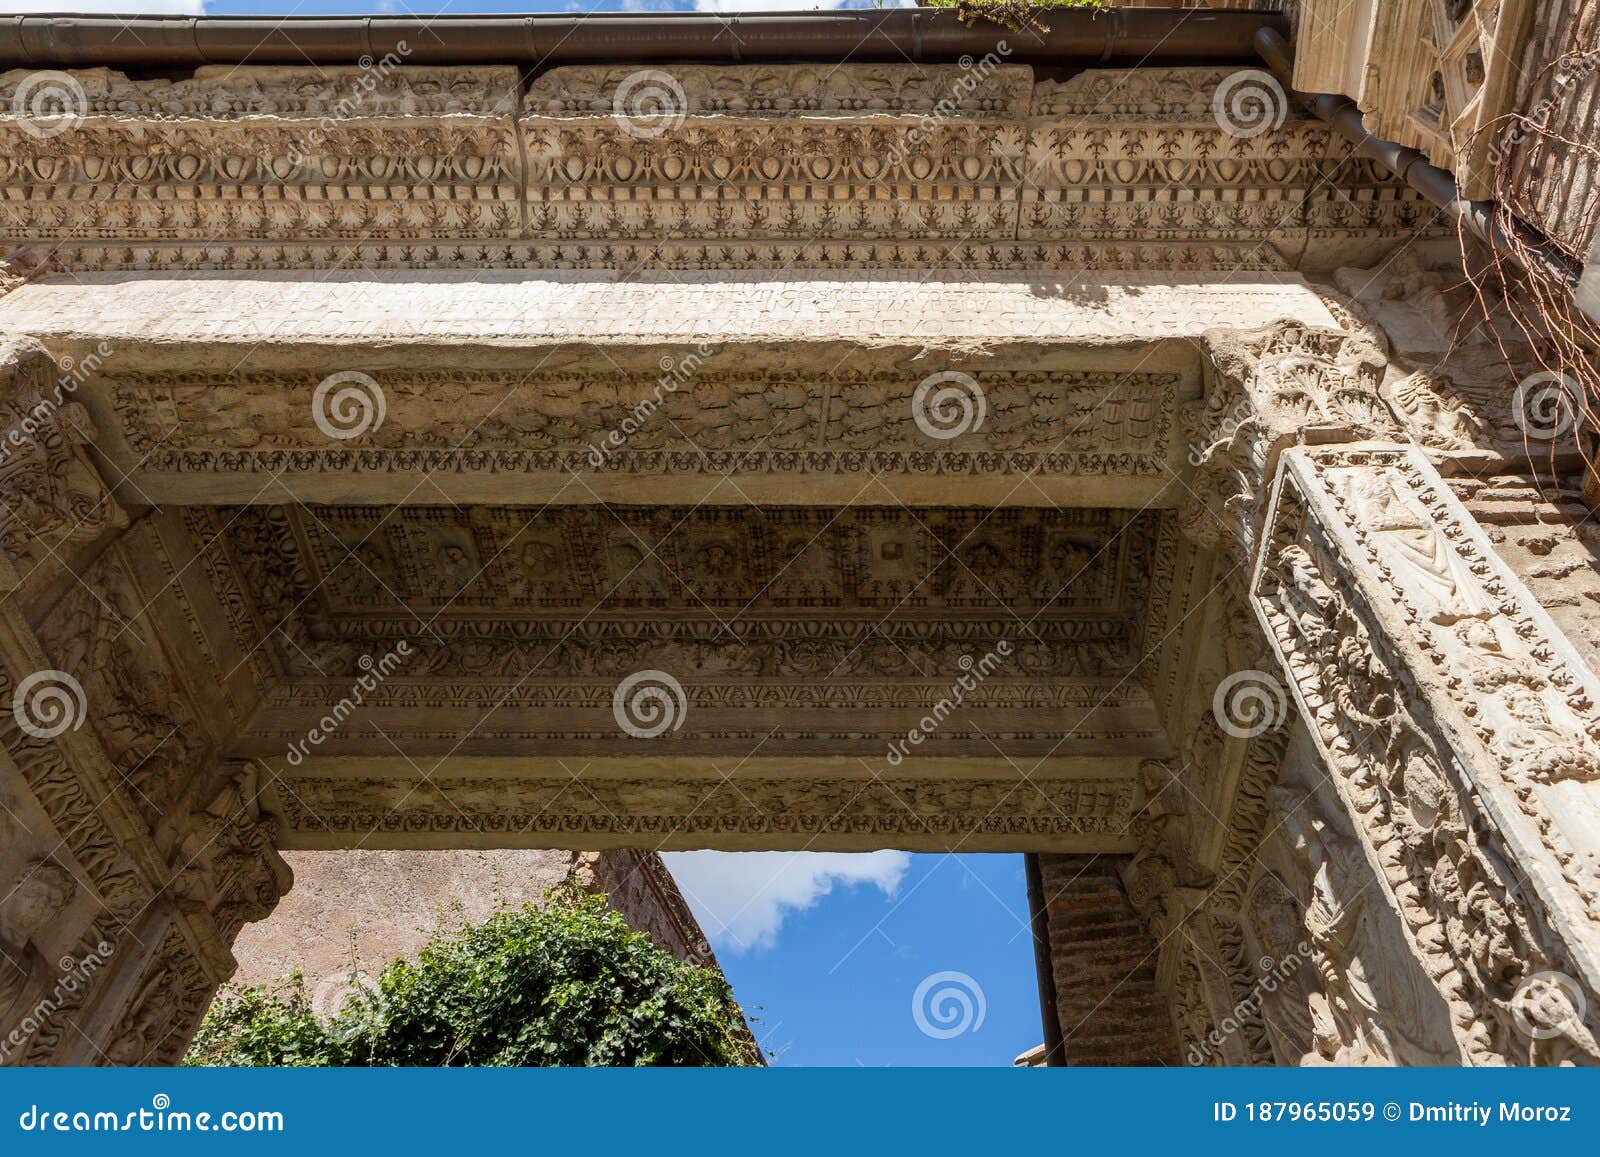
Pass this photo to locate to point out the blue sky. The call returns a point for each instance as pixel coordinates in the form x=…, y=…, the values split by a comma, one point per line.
x=828, y=952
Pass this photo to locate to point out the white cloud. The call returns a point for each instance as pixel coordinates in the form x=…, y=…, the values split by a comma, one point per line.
x=742, y=898
x=102, y=7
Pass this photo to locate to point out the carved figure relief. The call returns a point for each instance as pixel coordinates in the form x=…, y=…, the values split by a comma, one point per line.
x=51, y=496
x=34, y=901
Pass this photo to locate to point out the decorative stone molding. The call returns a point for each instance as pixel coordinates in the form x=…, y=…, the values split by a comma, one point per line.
x=164, y=863
x=1460, y=728
x=820, y=630
x=854, y=165
x=774, y=421
x=225, y=861
x=1270, y=388
x=671, y=810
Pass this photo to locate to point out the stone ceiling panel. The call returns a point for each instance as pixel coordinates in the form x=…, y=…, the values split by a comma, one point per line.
x=816, y=631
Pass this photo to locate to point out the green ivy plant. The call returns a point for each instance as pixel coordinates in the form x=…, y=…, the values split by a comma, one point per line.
x=565, y=984
x=1016, y=15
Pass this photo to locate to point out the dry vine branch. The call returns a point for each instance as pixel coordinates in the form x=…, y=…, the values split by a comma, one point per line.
x=1561, y=339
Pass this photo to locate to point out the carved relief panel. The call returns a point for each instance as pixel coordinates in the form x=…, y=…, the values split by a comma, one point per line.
x=1459, y=728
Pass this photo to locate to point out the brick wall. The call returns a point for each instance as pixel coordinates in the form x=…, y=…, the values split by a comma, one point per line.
x=1104, y=963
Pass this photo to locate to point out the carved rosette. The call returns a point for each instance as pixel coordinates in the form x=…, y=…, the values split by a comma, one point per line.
x=1460, y=729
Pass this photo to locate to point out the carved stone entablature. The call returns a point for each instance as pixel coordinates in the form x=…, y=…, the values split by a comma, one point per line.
x=768, y=804
x=1270, y=388
x=1462, y=732
x=341, y=580
x=695, y=416
x=170, y=994
x=53, y=504
x=682, y=167
x=1544, y=531
x=103, y=634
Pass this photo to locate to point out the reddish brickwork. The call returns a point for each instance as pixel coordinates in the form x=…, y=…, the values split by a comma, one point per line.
x=1105, y=967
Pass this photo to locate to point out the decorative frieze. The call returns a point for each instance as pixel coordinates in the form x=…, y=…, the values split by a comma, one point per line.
x=686, y=416
x=614, y=167
x=736, y=810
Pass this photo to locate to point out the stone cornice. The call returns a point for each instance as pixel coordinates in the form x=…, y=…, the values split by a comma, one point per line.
x=273, y=167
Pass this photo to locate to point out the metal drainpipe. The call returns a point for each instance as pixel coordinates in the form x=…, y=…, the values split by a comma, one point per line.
x=1055, y=1055
x=1436, y=184
x=1129, y=35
